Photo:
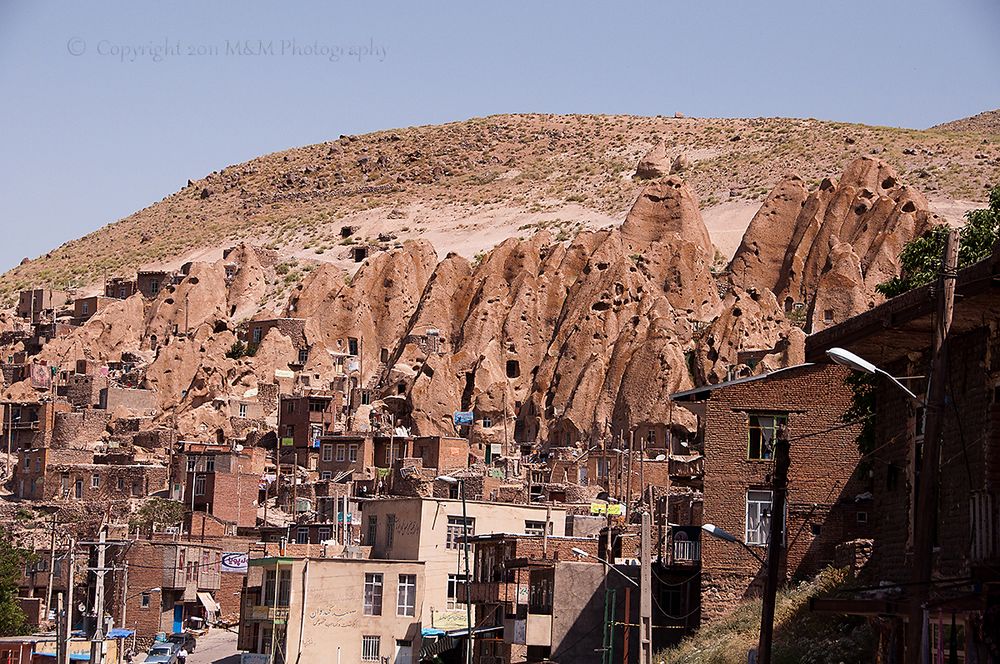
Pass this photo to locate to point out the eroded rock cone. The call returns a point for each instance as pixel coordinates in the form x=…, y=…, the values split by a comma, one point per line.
x=654, y=164
x=794, y=241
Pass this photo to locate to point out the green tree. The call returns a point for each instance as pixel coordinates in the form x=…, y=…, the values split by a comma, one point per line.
x=920, y=259
x=157, y=512
x=12, y=561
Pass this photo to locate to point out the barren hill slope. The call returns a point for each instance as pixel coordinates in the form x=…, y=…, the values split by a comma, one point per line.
x=467, y=186
x=987, y=123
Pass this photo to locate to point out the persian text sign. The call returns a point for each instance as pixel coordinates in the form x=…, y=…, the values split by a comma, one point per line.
x=235, y=562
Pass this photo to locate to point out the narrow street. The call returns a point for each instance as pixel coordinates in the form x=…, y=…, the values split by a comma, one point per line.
x=216, y=647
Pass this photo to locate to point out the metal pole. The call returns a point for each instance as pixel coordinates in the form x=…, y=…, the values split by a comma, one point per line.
x=775, y=545
x=97, y=642
x=925, y=508
x=468, y=580
x=68, y=630
x=124, y=595
x=60, y=631
x=646, y=594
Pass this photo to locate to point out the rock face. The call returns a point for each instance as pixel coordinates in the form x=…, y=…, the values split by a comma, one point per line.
x=545, y=340
x=655, y=164
x=823, y=252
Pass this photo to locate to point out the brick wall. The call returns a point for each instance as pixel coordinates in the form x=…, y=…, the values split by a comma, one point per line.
x=80, y=427
x=821, y=490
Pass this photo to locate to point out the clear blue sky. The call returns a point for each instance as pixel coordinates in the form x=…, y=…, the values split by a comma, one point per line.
x=90, y=134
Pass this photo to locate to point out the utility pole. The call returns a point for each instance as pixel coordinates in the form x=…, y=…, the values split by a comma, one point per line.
x=60, y=631
x=97, y=642
x=52, y=566
x=775, y=544
x=646, y=593
x=124, y=594
x=925, y=507
x=67, y=631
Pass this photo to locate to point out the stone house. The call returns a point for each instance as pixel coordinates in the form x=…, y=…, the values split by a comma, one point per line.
x=220, y=480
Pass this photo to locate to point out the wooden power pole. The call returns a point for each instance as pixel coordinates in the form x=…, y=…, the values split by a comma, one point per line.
x=775, y=544
x=646, y=593
x=925, y=507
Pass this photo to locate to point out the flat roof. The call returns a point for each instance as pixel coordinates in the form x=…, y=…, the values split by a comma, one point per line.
x=280, y=560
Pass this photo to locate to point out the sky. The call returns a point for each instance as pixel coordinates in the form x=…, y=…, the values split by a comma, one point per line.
x=108, y=107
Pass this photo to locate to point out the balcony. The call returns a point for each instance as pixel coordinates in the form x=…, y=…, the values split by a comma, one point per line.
x=491, y=592
x=687, y=466
x=268, y=613
x=984, y=517
x=686, y=552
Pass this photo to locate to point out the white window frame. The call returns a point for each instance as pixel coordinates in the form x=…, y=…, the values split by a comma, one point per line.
x=756, y=528
x=95, y=481
x=406, y=595
x=454, y=581
x=327, y=452
x=455, y=530
x=341, y=452
x=373, y=594
x=352, y=452
x=243, y=410
x=371, y=648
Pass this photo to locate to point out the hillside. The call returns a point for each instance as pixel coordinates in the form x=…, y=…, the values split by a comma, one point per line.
x=986, y=123
x=467, y=186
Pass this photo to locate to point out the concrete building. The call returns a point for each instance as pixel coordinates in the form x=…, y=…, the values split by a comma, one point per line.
x=322, y=610
x=828, y=502
x=430, y=530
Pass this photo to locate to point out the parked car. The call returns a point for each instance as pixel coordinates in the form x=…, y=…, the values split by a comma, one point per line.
x=162, y=653
x=184, y=639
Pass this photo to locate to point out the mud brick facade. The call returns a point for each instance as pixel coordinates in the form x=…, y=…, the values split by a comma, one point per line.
x=897, y=337
x=306, y=419
x=219, y=481
x=78, y=427
x=30, y=424
x=71, y=475
x=826, y=497
x=151, y=282
x=180, y=570
x=254, y=331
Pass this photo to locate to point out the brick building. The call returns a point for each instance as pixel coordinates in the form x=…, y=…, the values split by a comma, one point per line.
x=168, y=584
x=897, y=337
x=40, y=303
x=219, y=480
x=65, y=474
x=827, y=501
x=151, y=282
x=120, y=288
x=85, y=307
x=303, y=420
x=29, y=424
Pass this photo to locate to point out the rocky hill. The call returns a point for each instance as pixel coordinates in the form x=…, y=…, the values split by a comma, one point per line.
x=469, y=186
x=986, y=123
x=546, y=337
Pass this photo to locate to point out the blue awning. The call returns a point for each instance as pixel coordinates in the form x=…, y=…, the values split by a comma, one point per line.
x=119, y=633
x=73, y=656
x=430, y=631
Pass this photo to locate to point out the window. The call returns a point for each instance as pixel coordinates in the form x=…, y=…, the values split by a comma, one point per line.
x=763, y=432
x=453, y=491
x=602, y=468
x=302, y=536
x=758, y=517
x=534, y=528
x=85, y=308
x=144, y=601
x=284, y=587
x=243, y=410
x=454, y=581
x=584, y=479
x=487, y=422
x=154, y=286
x=390, y=530
x=315, y=405
x=324, y=532
x=458, y=527
x=303, y=355
x=406, y=599
x=289, y=406
x=199, y=485
x=828, y=316
x=121, y=483
x=210, y=463
x=371, y=648
x=326, y=475
x=862, y=517
x=372, y=529
x=191, y=464
x=373, y=594
x=289, y=431
x=78, y=488
x=352, y=453
x=341, y=452
x=256, y=334
x=95, y=481
x=352, y=346
x=327, y=453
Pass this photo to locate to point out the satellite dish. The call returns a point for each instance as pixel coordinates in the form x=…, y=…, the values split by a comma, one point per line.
x=660, y=457
x=238, y=448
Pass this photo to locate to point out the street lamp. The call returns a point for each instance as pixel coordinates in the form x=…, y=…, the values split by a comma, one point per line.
x=584, y=554
x=849, y=359
x=468, y=577
x=726, y=536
